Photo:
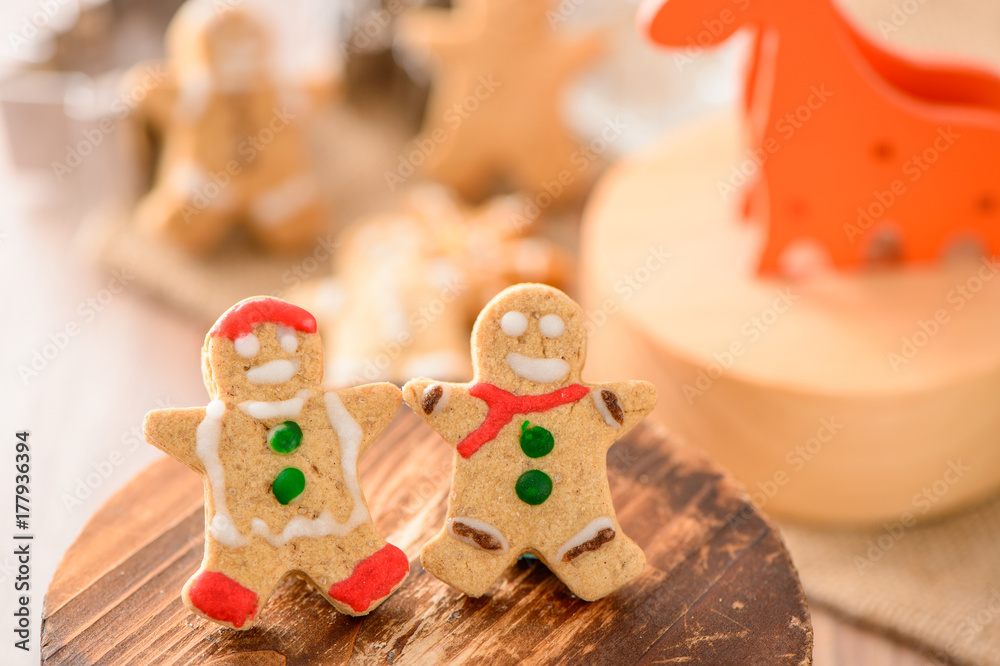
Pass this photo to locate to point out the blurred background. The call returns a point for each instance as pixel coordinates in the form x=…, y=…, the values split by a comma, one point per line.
x=91, y=343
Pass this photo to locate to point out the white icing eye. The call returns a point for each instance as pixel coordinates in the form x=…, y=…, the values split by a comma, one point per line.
x=247, y=346
x=551, y=326
x=287, y=338
x=514, y=324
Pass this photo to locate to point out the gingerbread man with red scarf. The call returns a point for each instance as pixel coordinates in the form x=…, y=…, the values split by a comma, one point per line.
x=531, y=441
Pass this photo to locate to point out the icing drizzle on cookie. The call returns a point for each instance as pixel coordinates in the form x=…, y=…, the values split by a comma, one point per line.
x=207, y=438
x=349, y=435
x=277, y=409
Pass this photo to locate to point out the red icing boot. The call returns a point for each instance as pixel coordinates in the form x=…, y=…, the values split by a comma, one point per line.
x=222, y=599
x=372, y=579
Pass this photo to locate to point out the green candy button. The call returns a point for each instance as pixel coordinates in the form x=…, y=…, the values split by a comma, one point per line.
x=285, y=438
x=533, y=487
x=289, y=484
x=536, y=442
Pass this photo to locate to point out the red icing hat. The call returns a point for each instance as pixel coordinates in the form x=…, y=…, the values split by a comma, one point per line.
x=240, y=319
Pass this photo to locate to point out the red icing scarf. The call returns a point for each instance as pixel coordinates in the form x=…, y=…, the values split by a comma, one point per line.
x=502, y=405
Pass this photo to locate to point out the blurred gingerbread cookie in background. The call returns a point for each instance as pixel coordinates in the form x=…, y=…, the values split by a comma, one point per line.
x=407, y=285
x=225, y=137
x=494, y=117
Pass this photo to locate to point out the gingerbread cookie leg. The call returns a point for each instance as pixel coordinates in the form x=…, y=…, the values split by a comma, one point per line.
x=356, y=579
x=596, y=560
x=232, y=585
x=469, y=555
x=197, y=226
x=289, y=216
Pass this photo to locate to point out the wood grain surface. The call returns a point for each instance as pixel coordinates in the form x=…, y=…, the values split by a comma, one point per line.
x=718, y=587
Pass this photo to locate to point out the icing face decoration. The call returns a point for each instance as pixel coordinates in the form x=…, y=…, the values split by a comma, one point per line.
x=542, y=344
x=514, y=324
x=276, y=345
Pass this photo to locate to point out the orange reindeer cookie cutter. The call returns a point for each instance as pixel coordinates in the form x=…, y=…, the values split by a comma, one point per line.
x=863, y=152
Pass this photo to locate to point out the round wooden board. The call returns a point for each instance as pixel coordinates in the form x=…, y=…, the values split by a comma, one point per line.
x=718, y=588
x=845, y=397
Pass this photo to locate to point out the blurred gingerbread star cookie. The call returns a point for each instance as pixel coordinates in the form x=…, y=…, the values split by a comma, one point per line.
x=500, y=70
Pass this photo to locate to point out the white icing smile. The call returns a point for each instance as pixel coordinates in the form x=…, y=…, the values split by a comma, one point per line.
x=541, y=370
x=273, y=372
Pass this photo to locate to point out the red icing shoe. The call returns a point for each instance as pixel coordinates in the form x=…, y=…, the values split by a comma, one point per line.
x=222, y=599
x=373, y=578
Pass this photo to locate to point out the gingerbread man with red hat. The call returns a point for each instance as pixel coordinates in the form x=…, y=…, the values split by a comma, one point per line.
x=280, y=460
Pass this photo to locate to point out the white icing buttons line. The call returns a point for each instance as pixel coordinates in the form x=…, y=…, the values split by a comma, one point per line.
x=514, y=324
x=247, y=346
x=551, y=326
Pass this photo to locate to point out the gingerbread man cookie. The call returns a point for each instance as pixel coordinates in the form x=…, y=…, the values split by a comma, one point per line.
x=407, y=285
x=495, y=107
x=230, y=142
x=531, y=442
x=280, y=460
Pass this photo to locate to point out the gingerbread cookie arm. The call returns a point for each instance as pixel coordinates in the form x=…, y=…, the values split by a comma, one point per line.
x=446, y=407
x=174, y=431
x=620, y=406
x=371, y=406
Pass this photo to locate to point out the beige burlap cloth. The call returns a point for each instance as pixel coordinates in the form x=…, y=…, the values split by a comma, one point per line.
x=935, y=585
